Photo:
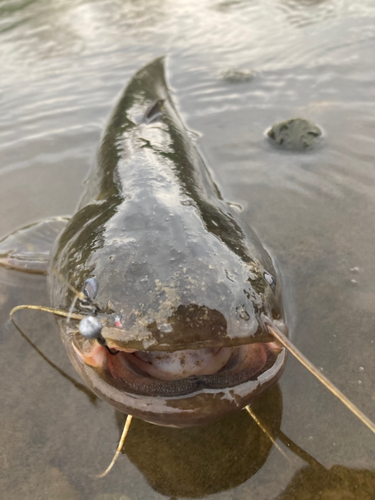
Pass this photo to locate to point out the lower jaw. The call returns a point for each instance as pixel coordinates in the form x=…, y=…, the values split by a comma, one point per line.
x=188, y=402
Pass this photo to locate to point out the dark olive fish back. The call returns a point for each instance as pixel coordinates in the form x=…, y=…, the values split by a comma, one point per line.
x=171, y=259
x=167, y=267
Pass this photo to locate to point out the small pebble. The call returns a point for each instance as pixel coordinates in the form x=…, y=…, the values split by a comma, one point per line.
x=238, y=76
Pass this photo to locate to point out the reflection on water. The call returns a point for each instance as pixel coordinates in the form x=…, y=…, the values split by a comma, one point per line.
x=201, y=461
x=337, y=483
x=63, y=64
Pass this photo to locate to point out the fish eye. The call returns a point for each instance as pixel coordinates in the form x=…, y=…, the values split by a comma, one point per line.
x=271, y=280
x=90, y=288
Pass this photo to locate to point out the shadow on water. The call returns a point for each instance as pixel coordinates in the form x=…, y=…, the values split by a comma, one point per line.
x=199, y=461
x=337, y=483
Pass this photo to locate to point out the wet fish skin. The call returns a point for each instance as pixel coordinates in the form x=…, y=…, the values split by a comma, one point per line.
x=173, y=262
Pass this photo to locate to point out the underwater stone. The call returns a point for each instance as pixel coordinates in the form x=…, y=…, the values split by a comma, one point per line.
x=238, y=76
x=295, y=134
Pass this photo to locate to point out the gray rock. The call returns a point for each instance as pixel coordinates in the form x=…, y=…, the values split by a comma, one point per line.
x=296, y=134
x=238, y=76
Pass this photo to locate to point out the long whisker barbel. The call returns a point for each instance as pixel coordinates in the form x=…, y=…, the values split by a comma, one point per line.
x=283, y=339
x=86, y=319
x=52, y=310
x=76, y=384
x=90, y=326
x=66, y=314
x=71, y=308
x=265, y=430
x=119, y=446
x=94, y=307
x=81, y=317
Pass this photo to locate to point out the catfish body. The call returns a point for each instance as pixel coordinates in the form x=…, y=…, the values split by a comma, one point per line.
x=181, y=285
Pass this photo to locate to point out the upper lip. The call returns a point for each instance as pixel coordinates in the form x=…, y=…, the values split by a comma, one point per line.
x=120, y=340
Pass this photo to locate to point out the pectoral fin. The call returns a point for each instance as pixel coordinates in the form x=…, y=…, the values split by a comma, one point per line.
x=28, y=249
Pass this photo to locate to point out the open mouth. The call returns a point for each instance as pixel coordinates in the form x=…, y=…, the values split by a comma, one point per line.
x=178, y=373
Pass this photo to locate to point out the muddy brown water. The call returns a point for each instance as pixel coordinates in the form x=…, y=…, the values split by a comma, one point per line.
x=63, y=64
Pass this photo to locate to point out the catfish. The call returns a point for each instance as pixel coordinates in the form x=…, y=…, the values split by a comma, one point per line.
x=168, y=305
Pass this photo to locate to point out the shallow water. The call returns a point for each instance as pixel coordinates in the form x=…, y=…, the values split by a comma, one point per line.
x=63, y=64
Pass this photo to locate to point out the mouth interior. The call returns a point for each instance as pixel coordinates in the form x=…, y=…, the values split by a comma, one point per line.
x=182, y=364
x=180, y=372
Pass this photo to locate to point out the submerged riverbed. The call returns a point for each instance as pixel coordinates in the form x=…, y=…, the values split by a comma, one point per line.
x=236, y=69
